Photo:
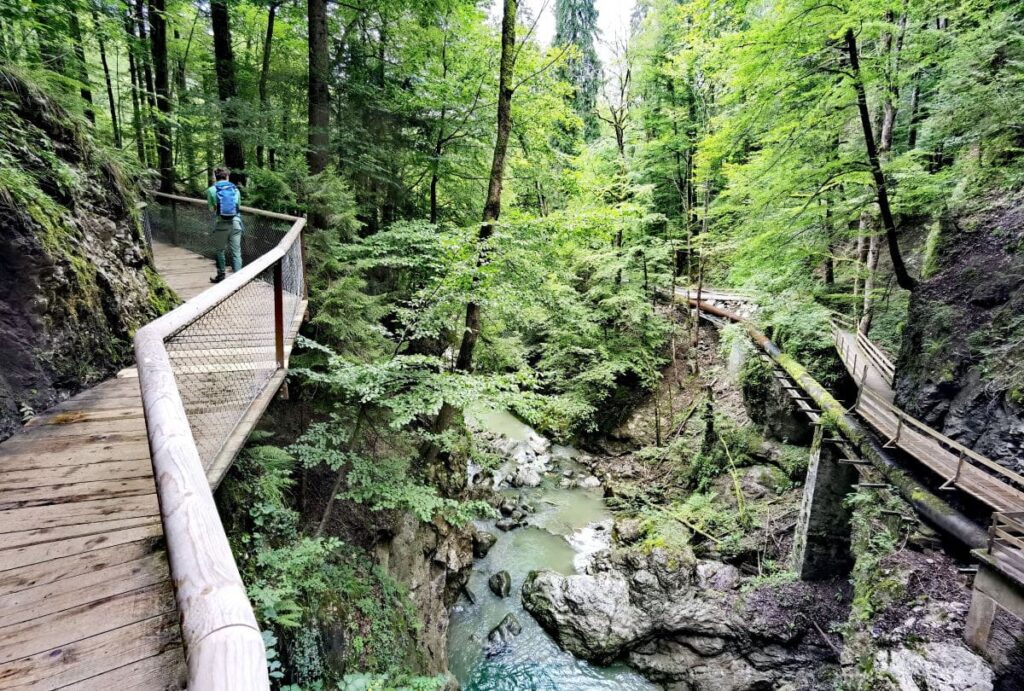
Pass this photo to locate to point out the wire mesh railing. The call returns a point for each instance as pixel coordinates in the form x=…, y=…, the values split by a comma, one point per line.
x=206, y=371
x=225, y=358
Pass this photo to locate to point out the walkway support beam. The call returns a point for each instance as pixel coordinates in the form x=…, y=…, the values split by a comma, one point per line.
x=930, y=506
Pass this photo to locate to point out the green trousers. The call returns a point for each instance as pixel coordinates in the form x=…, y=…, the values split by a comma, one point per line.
x=227, y=232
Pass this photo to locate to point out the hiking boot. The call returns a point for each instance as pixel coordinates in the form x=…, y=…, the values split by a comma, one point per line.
x=217, y=279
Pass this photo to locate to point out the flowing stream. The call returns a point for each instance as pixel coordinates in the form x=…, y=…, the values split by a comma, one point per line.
x=568, y=526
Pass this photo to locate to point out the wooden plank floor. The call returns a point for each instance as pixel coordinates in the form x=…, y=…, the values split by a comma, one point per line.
x=86, y=599
x=991, y=490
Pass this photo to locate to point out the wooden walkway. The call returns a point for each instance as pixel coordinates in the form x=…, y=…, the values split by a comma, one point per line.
x=993, y=485
x=86, y=599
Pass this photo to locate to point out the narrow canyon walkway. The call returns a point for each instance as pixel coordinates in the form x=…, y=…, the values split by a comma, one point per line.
x=981, y=478
x=86, y=599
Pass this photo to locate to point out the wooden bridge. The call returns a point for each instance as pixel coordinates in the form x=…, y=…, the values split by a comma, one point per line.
x=115, y=571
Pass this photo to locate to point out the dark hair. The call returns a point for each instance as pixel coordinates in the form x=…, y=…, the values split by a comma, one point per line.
x=220, y=173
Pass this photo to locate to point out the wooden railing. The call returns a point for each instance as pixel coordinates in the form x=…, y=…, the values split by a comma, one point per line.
x=872, y=354
x=961, y=467
x=1006, y=542
x=222, y=640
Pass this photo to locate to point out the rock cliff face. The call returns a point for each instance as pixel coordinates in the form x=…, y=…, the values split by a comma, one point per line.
x=75, y=281
x=961, y=365
x=431, y=560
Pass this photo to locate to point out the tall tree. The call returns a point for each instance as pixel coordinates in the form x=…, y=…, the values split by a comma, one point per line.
x=318, y=151
x=576, y=25
x=83, y=67
x=903, y=277
x=112, y=105
x=136, y=83
x=227, y=89
x=158, y=46
x=268, y=41
x=444, y=476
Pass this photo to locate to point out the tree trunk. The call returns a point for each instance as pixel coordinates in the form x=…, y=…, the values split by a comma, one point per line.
x=133, y=69
x=445, y=477
x=903, y=277
x=871, y=268
x=319, y=92
x=143, y=57
x=158, y=44
x=83, y=67
x=111, y=103
x=264, y=74
x=915, y=105
x=234, y=153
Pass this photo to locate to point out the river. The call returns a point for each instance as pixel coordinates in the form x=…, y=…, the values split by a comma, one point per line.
x=569, y=524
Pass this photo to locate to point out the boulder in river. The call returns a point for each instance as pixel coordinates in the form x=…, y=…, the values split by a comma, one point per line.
x=501, y=635
x=500, y=584
x=506, y=524
x=649, y=609
x=482, y=543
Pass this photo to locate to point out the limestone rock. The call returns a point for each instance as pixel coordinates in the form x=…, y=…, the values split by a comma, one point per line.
x=501, y=635
x=500, y=584
x=715, y=575
x=482, y=543
x=628, y=531
x=935, y=667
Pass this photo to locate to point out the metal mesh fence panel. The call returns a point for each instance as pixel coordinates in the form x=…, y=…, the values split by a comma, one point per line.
x=190, y=226
x=225, y=358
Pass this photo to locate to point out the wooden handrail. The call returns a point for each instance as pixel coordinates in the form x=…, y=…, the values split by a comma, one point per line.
x=223, y=644
x=943, y=439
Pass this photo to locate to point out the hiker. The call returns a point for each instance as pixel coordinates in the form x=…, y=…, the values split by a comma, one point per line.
x=225, y=202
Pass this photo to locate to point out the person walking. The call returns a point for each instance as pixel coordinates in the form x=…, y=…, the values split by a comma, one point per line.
x=225, y=201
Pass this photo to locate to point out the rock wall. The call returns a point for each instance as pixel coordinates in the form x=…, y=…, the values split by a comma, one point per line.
x=75, y=282
x=961, y=364
x=432, y=561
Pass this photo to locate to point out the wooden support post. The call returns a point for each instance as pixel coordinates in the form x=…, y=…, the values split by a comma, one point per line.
x=896, y=439
x=174, y=223
x=302, y=265
x=279, y=312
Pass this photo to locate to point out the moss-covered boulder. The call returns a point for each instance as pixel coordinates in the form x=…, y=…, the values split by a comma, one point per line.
x=75, y=281
x=961, y=365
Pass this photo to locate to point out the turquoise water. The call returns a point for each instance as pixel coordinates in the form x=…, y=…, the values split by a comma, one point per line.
x=533, y=660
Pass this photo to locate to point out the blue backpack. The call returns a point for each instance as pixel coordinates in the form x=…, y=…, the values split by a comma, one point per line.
x=227, y=198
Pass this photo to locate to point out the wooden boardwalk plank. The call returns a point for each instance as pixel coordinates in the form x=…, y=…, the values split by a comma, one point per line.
x=63, y=475
x=43, y=552
x=25, y=538
x=163, y=672
x=75, y=564
x=75, y=492
x=58, y=596
x=63, y=628
x=53, y=516
x=143, y=655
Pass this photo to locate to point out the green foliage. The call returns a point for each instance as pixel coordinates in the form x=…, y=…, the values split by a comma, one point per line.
x=733, y=447
x=303, y=588
x=874, y=536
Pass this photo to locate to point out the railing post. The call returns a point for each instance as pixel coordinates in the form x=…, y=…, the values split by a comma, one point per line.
x=174, y=223
x=279, y=312
x=302, y=264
